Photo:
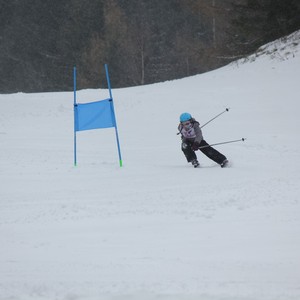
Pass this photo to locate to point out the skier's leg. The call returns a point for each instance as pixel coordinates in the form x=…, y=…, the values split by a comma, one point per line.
x=188, y=151
x=212, y=153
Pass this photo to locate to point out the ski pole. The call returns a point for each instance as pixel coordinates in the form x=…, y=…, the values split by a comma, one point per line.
x=227, y=109
x=234, y=141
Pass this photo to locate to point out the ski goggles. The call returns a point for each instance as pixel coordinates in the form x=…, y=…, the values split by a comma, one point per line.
x=186, y=124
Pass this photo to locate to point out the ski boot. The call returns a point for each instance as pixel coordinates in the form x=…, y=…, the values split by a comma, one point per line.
x=195, y=163
x=224, y=163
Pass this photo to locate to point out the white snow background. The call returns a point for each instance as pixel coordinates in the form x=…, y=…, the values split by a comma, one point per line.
x=156, y=228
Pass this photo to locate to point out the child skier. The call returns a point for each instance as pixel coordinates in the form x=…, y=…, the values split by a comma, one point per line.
x=192, y=139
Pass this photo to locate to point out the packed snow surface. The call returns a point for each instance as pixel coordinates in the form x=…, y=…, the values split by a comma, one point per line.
x=155, y=228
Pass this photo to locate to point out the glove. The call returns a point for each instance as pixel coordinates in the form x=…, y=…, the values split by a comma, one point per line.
x=195, y=146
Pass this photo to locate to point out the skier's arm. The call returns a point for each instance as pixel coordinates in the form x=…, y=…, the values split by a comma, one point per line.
x=198, y=132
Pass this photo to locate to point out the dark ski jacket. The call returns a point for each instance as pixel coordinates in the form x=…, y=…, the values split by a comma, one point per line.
x=193, y=134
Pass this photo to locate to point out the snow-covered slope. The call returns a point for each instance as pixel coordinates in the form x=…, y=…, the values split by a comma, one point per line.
x=155, y=228
x=282, y=49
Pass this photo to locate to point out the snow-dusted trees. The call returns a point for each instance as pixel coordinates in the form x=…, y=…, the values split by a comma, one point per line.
x=142, y=41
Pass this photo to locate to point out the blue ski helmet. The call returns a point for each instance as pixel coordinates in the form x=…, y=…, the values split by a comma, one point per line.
x=185, y=117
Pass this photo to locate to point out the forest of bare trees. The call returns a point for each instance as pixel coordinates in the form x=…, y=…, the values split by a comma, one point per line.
x=141, y=41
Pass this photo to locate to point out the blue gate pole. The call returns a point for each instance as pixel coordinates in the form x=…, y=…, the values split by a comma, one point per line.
x=114, y=116
x=75, y=148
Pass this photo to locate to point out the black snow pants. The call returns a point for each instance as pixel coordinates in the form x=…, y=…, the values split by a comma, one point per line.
x=209, y=151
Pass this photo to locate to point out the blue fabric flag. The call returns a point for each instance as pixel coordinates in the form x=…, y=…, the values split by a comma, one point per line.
x=94, y=115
